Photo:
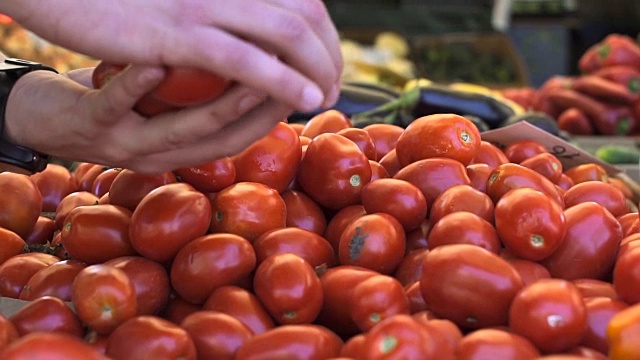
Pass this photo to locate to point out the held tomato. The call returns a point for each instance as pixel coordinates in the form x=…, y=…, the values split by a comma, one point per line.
x=168, y=218
x=469, y=285
x=209, y=177
x=103, y=297
x=216, y=335
x=211, y=261
x=308, y=245
x=398, y=198
x=243, y=305
x=47, y=314
x=289, y=288
x=272, y=160
x=20, y=203
x=54, y=182
x=50, y=346
x=54, y=280
x=462, y=227
x=333, y=171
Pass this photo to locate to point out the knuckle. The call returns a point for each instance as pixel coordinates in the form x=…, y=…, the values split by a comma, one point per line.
x=291, y=28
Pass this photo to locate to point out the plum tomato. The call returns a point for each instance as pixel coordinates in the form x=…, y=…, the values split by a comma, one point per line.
x=129, y=187
x=439, y=135
x=339, y=221
x=378, y=171
x=50, y=345
x=547, y=164
x=47, y=314
x=333, y=171
x=550, y=313
x=491, y=343
x=462, y=227
x=177, y=309
x=590, y=244
x=529, y=223
x=216, y=335
x=211, y=176
x=54, y=183
x=603, y=193
x=626, y=275
x=272, y=160
x=375, y=299
x=600, y=310
x=310, y=246
x=42, y=232
x=384, y=136
x=167, y=218
x=361, y=138
x=469, y=285
x=622, y=334
x=595, y=288
x=398, y=198
x=390, y=163
x=53, y=280
x=242, y=304
x=8, y=332
x=478, y=175
x=489, y=154
x=20, y=203
x=329, y=121
x=303, y=212
x=210, y=261
x=247, y=209
x=521, y=150
x=587, y=172
x=462, y=197
x=530, y=271
x=150, y=337
x=512, y=176
x=374, y=241
x=103, y=297
x=410, y=268
x=70, y=202
x=12, y=244
x=16, y=271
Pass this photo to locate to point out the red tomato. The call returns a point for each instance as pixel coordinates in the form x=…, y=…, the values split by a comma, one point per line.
x=434, y=175
x=334, y=171
x=374, y=241
x=378, y=171
x=595, y=288
x=150, y=337
x=496, y=343
x=462, y=227
x=384, y=136
x=339, y=221
x=20, y=203
x=79, y=169
x=329, y=121
x=291, y=341
x=600, y=192
x=72, y=201
x=168, y=218
x=150, y=282
x=587, y=172
x=297, y=127
x=16, y=271
x=462, y=198
x=85, y=181
x=377, y=298
x=248, y=209
x=489, y=154
x=512, y=176
x=547, y=164
x=550, y=313
x=103, y=297
x=54, y=183
x=50, y=346
x=439, y=135
x=97, y=233
x=590, y=244
x=390, y=162
x=529, y=223
x=308, y=245
x=521, y=150
x=216, y=335
x=272, y=160
x=353, y=347
x=479, y=175
x=209, y=177
x=12, y=244
x=129, y=187
x=53, y=280
x=361, y=138
x=410, y=268
x=415, y=298
x=626, y=275
x=600, y=310
x=8, y=332
x=469, y=285
x=622, y=334
x=242, y=305
x=41, y=233
x=178, y=309
x=530, y=271
x=102, y=183
x=445, y=333
x=564, y=182
x=211, y=261
x=47, y=314
x=289, y=288
x=303, y=212
x=417, y=239
x=398, y=198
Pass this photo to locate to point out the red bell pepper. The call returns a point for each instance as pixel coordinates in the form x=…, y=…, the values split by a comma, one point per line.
x=625, y=75
x=614, y=49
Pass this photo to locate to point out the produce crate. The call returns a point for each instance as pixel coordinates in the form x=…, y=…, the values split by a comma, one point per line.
x=488, y=59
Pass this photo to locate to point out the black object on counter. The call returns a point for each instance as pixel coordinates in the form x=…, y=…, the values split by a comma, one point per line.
x=538, y=119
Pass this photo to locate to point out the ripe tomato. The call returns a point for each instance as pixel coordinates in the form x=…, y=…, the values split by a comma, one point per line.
x=216, y=335
x=496, y=343
x=550, y=313
x=377, y=298
x=353, y=347
x=308, y=245
x=211, y=261
x=290, y=341
x=272, y=160
x=12, y=244
x=178, y=309
x=410, y=268
x=8, y=332
x=374, y=241
x=242, y=304
x=20, y=203
x=489, y=154
x=209, y=177
x=41, y=233
x=417, y=239
x=445, y=333
x=303, y=212
x=361, y=138
x=168, y=218
x=16, y=271
x=384, y=136
x=150, y=282
x=47, y=314
x=329, y=121
x=439, y=135
x=595, y=288
x=97, y=233
x=479, y=175
x=248, y=209
x=339, y=221
x=547, y=164
x=622, y=334
x=521, y=150
x=85, y=181
x=150, y=337
x=53, y=280
x=529, y=223
x=50, y=346
x=333, y=171
x=390, y=162
x=462, y=197
x=587, y=172
x=434, y=175
x=378, y=171
x=600, y=310
x=103, y=297
x=398, y=198
x=129, y=187
x=102, y=183
x=70, y=202
x=54, y=183
x=462, y=227
x=512, y=176
x=289, y=288
x=600, y=192
x=530, y=271
x=414, y=296
x=626, y=275
x=469, y=285
x=590, y=244
x=564, y=182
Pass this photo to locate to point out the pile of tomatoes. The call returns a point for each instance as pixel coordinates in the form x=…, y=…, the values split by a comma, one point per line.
x=326, y=241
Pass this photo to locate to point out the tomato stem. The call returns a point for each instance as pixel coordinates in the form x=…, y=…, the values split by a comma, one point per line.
x=388, y=344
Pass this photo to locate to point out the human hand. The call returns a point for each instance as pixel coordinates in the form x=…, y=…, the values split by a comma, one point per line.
x=288, y=49
x=74, y=121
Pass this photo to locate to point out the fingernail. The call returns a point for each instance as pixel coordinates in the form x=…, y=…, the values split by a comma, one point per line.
x=249, y=102
x=311, y=98
x=332, y=98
